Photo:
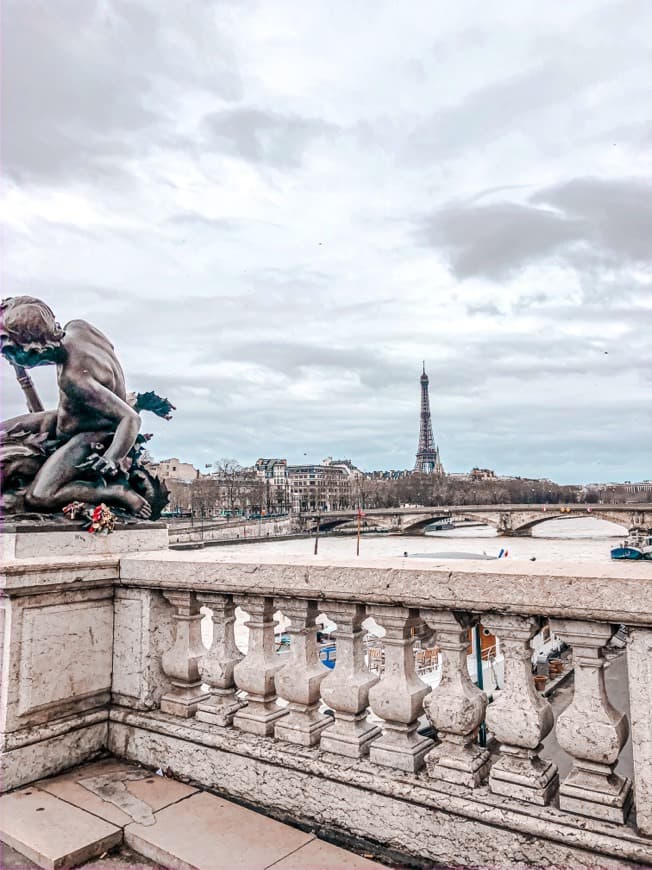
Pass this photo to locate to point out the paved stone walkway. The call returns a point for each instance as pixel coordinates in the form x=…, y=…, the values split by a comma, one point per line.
x=109, y=814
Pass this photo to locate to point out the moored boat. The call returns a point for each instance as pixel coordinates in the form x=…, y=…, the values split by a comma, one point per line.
x=636, y=547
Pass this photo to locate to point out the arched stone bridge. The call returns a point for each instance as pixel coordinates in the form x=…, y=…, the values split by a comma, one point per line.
x=511, y=520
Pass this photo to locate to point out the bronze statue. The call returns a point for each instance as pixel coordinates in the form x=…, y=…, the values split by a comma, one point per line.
x=88, y=449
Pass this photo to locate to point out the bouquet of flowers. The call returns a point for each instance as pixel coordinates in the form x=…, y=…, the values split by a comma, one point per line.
x=101, y=518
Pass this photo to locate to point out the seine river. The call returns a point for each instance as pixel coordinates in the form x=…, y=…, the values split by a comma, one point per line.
x=572, y=540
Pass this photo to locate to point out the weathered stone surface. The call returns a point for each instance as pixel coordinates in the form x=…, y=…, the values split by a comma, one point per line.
x=218, y=664
x=318, y=855
x=456, y=707
x=591, y=730
x=144, y=629
x=34, y=543
x=256, y=672
x=205, y=831
x=40, y=575
x=520, y=717
x=605, y=592
x=181, y=662
x=117, y=792
x=639, y=666
x=299, y=680
x=34, y=758
x=51, y=832
x=443, y=819
x=57, y=655
x=346, y=688
x=405, y=813
x=398, y=697
x=66, y=652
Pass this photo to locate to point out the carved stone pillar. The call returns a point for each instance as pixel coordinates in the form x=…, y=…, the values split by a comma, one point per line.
x=299, y=679
x=591, y=730
x=519, y=718
x=256, y=672
x=181, y=662
x=639, y=669
x=346, y=688
x=398, y=697
x=455, y=707
x=218, y=663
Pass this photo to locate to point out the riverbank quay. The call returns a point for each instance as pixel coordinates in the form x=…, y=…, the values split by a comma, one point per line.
x=105, y=652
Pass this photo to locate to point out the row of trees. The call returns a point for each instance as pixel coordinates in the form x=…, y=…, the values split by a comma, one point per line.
x=229, y=489
x=236, y=490
x=426, y=490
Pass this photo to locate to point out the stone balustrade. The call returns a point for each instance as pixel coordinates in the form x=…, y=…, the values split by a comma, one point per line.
x=281, y=729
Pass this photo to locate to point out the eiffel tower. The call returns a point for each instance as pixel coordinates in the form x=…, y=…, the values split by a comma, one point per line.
x=428, y=461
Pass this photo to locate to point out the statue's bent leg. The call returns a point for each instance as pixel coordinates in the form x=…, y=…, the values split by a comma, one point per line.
x=55, y=485
x=32, y=424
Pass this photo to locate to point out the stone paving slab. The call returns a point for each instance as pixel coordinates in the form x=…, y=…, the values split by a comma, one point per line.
x=51, y=832
x=205, y=832
x=118, y=792
x=318, y=855
x=123, y=859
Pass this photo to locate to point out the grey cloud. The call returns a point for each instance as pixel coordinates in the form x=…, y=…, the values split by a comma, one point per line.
x=563, y=70
x=486, y=113
x=489, y=309
x=264, y=136
x=206, y=274
x=581, y=221
x=498, y=238
x=88, y=84
x=192, y=220
x=287, y=357
x=617, y=213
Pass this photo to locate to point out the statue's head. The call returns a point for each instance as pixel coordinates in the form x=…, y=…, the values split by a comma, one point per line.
x=29, y=334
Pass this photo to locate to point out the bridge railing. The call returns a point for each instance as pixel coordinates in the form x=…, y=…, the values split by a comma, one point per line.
x=376, y=716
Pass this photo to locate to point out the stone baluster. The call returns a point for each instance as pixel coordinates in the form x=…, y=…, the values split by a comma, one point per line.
x=299, y=680
x=519, y=718
x=218, y=663
x=346, y=687
x=455, y=707
x=398, y=697
x=181, y=662
x=591, y=730
x=256, y=672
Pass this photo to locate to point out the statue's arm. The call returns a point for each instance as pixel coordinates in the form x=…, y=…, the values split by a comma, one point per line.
x=112, y=407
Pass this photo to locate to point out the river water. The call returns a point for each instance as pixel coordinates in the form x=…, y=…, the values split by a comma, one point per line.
x=572, y=540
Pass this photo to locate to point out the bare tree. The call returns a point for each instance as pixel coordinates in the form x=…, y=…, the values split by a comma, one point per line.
x=229, y=473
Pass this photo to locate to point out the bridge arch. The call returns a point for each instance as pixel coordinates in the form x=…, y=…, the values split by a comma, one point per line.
x=416, y=526
x=622, y=520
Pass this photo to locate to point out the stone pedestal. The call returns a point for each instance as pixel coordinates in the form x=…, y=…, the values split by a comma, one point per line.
x=51, y=539
x=256, y=673
x=398, y=697
x=455, y=707
x=519, y=718
x=346, y=688
x=181, y=663
x=218, y=663
x=299, y=680
x=591, y=730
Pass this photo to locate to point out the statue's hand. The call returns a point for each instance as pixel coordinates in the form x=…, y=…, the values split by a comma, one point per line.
x=105, y=467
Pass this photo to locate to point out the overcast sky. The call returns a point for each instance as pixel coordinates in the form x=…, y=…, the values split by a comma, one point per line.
x=276, y=210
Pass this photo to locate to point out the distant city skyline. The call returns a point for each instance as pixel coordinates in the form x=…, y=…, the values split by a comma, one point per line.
x=276, y=221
